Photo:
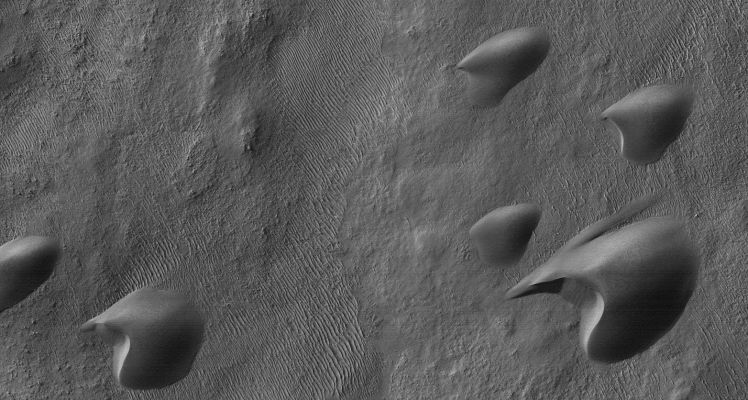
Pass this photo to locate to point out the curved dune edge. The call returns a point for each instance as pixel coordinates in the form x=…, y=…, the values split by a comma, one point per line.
x=647, y=121
x=501, y=237
x=501, y=62
x=155, y=336
x=642, y=276
x=25, y=264
x=121, y=349
x=590, y=315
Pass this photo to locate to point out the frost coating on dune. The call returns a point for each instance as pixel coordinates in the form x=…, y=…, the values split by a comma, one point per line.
x=503, y=61
x=155, y=336
x=649, y=120
x=501, y=236
x=641, y=277
x=25, y=263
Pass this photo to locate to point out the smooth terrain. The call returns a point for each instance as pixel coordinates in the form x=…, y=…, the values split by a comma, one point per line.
x=309, y=171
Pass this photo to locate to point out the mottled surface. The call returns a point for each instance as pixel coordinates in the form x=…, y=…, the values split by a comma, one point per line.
x=309, y=171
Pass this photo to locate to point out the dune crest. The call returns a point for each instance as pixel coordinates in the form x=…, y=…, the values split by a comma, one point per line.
x=155, y=335
x=503, y=61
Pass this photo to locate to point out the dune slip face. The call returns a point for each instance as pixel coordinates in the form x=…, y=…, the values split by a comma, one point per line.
x=501, y=236
x=155, y=334
x=25, y=264
x=501, y=62
x=649, y=120
x=632, y=284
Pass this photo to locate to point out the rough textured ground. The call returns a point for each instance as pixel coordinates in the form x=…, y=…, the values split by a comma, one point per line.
x=308, y=172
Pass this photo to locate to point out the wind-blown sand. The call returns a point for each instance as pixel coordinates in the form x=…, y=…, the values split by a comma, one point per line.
x=309, y=172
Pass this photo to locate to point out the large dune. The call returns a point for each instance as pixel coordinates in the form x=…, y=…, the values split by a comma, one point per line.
x=308, y=172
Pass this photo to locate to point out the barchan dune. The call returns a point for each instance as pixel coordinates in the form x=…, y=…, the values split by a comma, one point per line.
x=501, y=62
x=25, y=264
x=649, y=120
x=640, y=277
x=501, y=236
x=155, y=334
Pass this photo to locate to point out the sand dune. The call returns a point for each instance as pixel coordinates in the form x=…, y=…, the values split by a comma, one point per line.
x=155, y=336
x=501, y=236
x=25, y=264
x=641, y=277
x=503, y=61
x=649, y=120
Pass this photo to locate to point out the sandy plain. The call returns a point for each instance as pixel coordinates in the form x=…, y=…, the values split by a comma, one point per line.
x=309, y=171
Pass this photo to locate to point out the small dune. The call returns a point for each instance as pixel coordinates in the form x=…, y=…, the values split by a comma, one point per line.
x=25, y=263
x=155, y=334
x=631, y=284
x=501, y=236
x=649, y=120
x=503, y=61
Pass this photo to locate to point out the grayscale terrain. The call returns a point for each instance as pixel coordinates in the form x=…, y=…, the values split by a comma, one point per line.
x=308, y=173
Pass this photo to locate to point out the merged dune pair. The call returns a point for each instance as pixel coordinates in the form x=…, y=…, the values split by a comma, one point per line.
x=155, y=334
x=631, y=284
x=647, y=120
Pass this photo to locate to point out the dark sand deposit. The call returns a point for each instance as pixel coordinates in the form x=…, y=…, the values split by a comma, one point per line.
x=308, y=172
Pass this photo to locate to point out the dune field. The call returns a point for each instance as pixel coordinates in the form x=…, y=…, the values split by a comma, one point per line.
x=297, y=183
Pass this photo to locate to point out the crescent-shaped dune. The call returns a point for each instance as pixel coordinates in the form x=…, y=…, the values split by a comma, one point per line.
x=501, y=236
x=649, y=120
x=503, y=61
x=25, y=263
x=641, y=277
x=155, y=335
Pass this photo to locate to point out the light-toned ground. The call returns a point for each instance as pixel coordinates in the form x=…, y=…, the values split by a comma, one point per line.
x=309, y=171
